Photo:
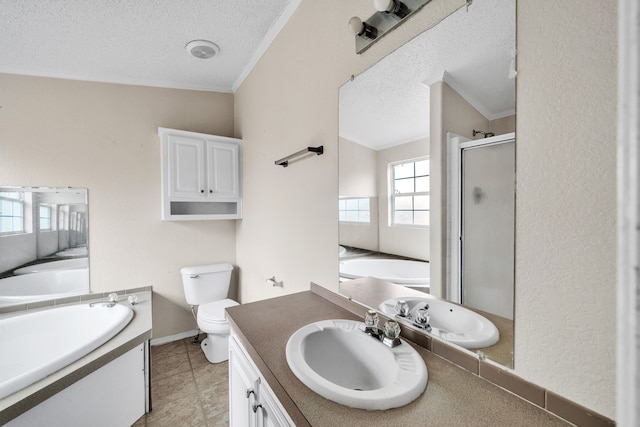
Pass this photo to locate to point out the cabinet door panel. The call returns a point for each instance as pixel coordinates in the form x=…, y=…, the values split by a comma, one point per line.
x=186, y=168
x=243, y=383
x=223, y=179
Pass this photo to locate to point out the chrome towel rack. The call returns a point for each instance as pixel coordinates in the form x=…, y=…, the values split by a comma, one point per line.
x=284, y=162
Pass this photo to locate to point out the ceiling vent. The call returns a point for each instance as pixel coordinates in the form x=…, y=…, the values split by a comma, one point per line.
x=202, y=49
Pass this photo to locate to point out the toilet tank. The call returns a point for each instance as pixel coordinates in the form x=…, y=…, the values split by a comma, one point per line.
x=206, y=283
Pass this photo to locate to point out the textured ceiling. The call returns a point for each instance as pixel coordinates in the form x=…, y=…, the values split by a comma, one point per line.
x=138, y=41
x=472, y=50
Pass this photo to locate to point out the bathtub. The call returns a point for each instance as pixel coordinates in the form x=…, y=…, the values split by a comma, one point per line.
x=414, y=274
x=81, y=250
x=37, y=344
x=44, y=285
x=65, y=264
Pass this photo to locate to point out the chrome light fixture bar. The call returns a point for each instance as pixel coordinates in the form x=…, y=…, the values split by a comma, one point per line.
x=390, y=14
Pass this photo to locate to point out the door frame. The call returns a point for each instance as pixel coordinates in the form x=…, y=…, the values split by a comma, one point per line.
x=455, y=145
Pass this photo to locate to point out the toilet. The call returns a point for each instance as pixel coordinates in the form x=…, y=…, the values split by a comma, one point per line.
x=207, y=287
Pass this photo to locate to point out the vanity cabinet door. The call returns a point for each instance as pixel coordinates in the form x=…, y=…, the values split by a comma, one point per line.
x=223, y=177
x=243, y=383
x=186, y=167
x=272, y=414
x=251, y=400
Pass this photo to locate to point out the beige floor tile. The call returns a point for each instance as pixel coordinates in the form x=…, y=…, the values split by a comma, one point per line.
x=169, y=365
x=185, y=411
x=173, y=387
x=221, y=420
x=167, y=350
x=197, y=358
x=186, y=389
x=142, y=422
x=215, y=400
x=211, y=374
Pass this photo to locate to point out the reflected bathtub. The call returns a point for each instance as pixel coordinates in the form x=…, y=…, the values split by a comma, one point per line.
x=37, y=344
x=65, y=264
x=44, y=285
x=413, y=274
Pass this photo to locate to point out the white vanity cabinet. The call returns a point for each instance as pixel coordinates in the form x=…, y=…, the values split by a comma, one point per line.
x=251, y=401
x=201, y=176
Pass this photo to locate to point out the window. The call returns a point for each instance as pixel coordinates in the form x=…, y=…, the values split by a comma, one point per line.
x=354, y=209
x=44, y=217
x=410, y=193
x=11, y=212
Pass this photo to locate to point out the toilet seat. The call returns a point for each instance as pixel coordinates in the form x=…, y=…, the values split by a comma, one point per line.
x=211, y=316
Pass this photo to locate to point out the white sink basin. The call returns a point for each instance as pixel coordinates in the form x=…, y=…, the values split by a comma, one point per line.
x=451, y=322
x=338, y=361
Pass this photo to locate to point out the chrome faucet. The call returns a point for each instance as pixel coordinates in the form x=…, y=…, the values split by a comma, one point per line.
x=422, y=317
x=389, y=335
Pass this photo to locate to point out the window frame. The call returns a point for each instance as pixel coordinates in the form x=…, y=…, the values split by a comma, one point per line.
x=345, y=199
x=20, y=200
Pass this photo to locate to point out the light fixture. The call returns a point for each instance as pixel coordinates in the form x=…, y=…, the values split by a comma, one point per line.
x=362, y=29
x=390, y=14
x=202, y=49
x=393, y=7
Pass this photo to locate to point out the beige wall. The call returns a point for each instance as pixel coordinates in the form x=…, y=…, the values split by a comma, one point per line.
x=290, y=224
x=104, y=137
x=357, y=172
x=566, y=199
x=449, y=112
x=565, y=270
x=405, y=241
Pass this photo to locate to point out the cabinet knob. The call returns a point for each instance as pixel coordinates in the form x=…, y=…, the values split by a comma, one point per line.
x=249, y=391
x=256, y=406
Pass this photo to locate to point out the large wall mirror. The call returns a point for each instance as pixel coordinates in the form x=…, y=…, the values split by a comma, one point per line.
x=437, y=112
x=44, y=243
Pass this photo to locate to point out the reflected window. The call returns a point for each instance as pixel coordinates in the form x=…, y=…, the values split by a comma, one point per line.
x=44, y=217
x=410, y=183
x=354, y=209
x=11, y=212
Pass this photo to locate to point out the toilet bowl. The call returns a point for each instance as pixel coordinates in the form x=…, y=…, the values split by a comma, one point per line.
x=212, y=321
x=206, y=287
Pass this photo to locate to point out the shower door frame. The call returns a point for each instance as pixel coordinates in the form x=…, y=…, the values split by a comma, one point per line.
x=455, y=145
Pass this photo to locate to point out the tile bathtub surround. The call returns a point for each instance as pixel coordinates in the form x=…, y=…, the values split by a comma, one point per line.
x=186, y=390
x=69, y=300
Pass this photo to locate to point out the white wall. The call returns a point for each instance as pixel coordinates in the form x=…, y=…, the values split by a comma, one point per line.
x=565, y=242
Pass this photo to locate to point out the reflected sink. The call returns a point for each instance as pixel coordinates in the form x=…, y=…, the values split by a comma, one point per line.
x=451, y=322
x=338, y=361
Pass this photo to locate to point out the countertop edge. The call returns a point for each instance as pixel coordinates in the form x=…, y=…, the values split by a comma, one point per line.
x=27, y=398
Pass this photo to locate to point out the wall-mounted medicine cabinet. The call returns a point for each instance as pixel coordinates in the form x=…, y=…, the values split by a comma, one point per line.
x=201, y=176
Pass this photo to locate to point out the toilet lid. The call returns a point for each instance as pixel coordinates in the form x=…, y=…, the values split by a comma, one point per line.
x=214, y=311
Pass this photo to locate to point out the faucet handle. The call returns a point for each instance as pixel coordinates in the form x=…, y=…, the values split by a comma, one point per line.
x=391, y=334
x=391, y=329
x=371, y=319
x=422, y=318
x=402, y=308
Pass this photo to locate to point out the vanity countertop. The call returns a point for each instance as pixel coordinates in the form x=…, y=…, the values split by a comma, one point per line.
x=453, y=395
x=136, y=332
